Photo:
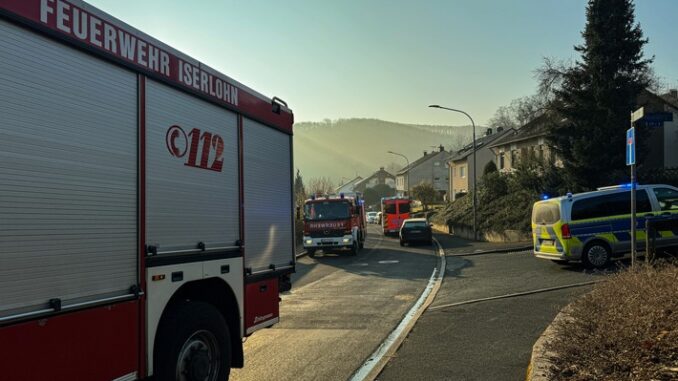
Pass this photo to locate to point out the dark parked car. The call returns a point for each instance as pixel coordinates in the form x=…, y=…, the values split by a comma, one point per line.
x=415, y=230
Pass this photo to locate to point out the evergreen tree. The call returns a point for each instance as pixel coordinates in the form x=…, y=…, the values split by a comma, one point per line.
x=598, y=95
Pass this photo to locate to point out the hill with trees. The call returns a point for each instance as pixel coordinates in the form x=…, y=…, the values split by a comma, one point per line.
x=346, y=148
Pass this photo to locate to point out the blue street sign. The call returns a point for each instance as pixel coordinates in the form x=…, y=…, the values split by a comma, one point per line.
x=650, y=124
x=631, y=146
x=658, y=117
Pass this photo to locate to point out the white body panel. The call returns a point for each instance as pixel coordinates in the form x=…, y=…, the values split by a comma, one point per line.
x=68, y=174
x=269, y=231
x=185, y=204
x=162, y=291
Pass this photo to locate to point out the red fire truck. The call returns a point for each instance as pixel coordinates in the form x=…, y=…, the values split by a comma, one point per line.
x=394, y=210
x=139, y=235
x=334, y=222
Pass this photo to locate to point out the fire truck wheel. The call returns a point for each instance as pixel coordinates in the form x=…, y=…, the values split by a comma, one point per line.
x=193, y=344
x=311, y=253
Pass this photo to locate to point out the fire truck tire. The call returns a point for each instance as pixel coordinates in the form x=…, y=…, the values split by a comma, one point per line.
x=193, y=340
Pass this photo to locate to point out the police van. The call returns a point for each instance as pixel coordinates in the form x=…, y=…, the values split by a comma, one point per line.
x=594, y=227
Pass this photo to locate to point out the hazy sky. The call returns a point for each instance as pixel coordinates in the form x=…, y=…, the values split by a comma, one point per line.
x=386, y=59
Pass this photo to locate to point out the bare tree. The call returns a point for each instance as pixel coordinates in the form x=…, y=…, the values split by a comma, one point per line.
x=527, y=108
x=503, y=117
x=320, y=186
x=550, y=77
x=426, y=193
x=519, y=112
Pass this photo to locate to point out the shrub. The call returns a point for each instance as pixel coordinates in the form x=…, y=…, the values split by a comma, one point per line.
x=625, y=329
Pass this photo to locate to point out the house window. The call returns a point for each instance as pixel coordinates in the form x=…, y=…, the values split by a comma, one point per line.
x=454, y=171
x=514, y=158
x=501, y=160
x=461, y=172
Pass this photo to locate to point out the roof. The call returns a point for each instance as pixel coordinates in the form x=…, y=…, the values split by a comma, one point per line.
x=666, y=99
x=538, y=127
x=484, y=141
x=415, y=220
x=375, y=174
x=604, y=190
x=351, y=182
x=421, y=160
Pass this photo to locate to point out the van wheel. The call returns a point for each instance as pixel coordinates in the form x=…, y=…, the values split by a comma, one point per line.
x=311, y=252
x=596, y=255
x=193, y=343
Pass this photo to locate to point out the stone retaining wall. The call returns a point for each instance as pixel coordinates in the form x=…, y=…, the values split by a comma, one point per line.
x=488, y=236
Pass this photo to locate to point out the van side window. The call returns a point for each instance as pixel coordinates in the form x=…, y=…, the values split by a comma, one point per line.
x=620, y=203
x=588, y=208
x=610, y=205
x=668, y=198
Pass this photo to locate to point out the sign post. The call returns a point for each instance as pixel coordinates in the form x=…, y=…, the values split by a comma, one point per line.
x=631, y=162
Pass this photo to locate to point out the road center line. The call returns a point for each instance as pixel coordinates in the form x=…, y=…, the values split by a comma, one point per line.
x=515, y=294
x=376, y=362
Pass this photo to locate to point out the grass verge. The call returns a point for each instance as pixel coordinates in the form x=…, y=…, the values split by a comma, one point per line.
x=625, y=329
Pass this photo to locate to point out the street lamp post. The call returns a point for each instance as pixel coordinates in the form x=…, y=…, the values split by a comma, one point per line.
x=407, y=188
x=475, y=233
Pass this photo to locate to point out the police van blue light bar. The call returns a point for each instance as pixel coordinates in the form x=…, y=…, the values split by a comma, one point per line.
x=620, y=186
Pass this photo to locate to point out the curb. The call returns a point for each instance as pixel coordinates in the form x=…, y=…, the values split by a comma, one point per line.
x=539, y=368
x=491, y=251
x=301, y=254
x=374, y=365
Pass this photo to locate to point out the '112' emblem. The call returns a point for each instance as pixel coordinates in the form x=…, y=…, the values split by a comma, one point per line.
x=179, y=143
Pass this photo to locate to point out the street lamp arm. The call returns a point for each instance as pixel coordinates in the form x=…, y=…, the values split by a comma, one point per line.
x=455, y=110
x=401, y=155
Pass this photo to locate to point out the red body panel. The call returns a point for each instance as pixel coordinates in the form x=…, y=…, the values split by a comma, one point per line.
x=95, y=344
x=262, y=302
x=346, y=224
x=180, y=71
x=391, y=222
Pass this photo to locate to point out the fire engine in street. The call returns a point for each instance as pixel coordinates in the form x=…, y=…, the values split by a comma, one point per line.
x=139, y=233
x=334, y=222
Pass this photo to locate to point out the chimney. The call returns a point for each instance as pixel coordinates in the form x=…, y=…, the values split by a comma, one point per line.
x=425, y=153
x=488, y=132
x=441, y=148
x=381, y=168
x=500, y=129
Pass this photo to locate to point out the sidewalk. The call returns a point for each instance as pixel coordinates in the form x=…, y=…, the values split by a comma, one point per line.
x=456, y=245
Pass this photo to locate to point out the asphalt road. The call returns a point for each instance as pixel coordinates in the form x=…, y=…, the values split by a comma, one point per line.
x=339, y=311
x=490, y=340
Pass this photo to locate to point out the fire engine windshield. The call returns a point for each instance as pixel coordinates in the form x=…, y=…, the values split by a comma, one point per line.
x=327, y=210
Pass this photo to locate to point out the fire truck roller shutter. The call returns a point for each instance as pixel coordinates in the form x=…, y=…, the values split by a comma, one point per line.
x=191, y=172
x=268, y=197
x=68, y=175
